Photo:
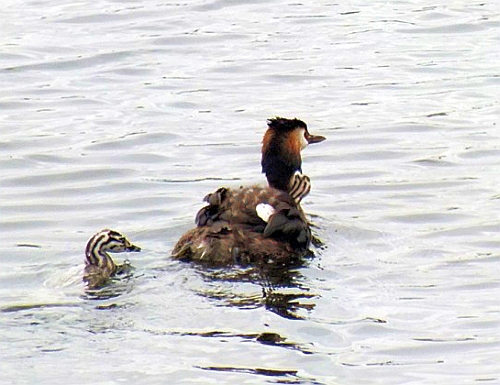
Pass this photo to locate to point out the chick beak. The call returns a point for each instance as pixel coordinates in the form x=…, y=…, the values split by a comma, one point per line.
x=133, y=248
x=314, y=138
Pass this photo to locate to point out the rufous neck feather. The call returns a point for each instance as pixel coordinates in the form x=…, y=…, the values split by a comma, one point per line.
x=281, y=157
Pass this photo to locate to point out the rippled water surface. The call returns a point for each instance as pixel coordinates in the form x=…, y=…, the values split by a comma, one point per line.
x=124, y=114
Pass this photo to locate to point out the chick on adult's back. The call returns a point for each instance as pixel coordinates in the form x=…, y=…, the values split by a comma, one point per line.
x=257, y=224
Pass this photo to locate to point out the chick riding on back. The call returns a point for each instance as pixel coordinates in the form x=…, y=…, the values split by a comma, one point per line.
x=256, y=224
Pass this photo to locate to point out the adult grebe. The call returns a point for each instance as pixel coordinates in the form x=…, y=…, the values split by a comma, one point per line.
x=256, y=224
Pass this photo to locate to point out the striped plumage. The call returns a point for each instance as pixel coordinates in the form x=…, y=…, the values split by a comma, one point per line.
x=257, y=224
x=300, y=187
x=99, y=266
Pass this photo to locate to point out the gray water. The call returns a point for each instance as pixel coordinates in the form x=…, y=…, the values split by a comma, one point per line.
x=124, y=114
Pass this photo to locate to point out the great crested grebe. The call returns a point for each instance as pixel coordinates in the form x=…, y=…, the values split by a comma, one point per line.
x=99, y=266
x=256, y=224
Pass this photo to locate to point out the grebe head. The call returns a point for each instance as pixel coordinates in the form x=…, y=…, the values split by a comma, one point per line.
x=98, y=246
x=281, y=146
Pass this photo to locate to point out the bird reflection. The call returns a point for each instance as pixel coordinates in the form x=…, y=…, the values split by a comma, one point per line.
x=114, y=288
x=287, y=305
x=283, y=293
x=282, y=290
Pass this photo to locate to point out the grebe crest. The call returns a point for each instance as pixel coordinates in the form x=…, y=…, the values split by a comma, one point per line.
x=99, y=265
x=256, y=224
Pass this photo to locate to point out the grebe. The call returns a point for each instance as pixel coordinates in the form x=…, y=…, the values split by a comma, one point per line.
x=256, y=224
x=99, y=266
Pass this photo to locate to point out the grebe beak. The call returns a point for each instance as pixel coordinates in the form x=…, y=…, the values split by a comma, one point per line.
x=133, y=248
x=314, y=138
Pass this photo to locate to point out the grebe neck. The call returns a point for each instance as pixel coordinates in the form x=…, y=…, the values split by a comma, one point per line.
x=95, y=255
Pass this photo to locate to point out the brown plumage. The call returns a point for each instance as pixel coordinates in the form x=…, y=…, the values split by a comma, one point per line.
x=281, y=147
x=252, y=225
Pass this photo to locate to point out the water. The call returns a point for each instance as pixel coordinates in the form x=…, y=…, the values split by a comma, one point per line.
x=124, y=114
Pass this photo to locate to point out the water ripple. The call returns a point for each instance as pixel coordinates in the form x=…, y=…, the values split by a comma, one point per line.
x=125, y=115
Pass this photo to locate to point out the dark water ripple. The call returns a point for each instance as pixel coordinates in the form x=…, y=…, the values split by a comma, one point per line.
x=125, y=114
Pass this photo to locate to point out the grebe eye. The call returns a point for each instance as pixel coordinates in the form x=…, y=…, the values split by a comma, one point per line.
x=304, y=139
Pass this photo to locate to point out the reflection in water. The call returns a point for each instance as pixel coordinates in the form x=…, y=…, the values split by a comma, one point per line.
x=287, y=305
x=266, y=338
x=275, y=280
x=24, y=307
x=282, y=289
x=286, y=376
x=261, y=371
x=111, y=288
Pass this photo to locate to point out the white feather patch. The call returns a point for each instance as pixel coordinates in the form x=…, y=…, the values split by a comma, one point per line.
x=303, y=141
x=264, y=211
